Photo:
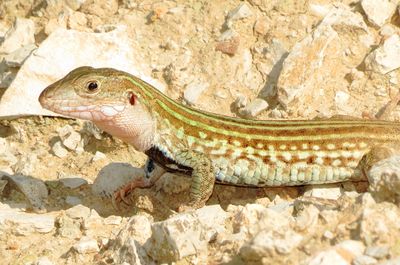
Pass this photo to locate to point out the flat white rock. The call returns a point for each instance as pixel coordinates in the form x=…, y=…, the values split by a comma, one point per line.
x=86, y=245
x=21, y=223
x=63, y=51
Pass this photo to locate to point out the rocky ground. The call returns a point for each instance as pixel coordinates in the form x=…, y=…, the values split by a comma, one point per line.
x=256, y=59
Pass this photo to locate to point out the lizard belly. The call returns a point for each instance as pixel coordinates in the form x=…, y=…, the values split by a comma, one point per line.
x=245, y=172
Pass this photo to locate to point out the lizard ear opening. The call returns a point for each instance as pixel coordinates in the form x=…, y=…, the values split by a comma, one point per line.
x=132, y=98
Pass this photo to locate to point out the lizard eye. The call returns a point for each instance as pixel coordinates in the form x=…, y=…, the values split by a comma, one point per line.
x=92, y=86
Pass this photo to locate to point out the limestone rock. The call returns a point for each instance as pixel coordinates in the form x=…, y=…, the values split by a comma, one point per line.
x=255, y=217
x=17, y=57
x=212, y=219
x=70, y=138
x=20, y=34
x=78, y=212
x=51, y=61
x=176, y=238
x=68, y=227
x=33, y=189
x=86, y=245
x=16, y=221
x=386, y=57
x=266, y=243
x=378, y=224
x=321, y=56
x=127, y=246
x=378, y=12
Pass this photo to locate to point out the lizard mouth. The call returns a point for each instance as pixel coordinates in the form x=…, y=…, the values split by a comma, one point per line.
x=84, y=112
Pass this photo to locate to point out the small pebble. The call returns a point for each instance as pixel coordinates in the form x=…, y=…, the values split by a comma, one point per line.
x=328, y=235
x=254, y=108
x=240, y=102
x=229, y=47
x=193, y=92
x=364, y=260
x=240, y=12
x=59, y=150
x=86, y=245
x=377, y=252
x=98, y=156
x=341, y=98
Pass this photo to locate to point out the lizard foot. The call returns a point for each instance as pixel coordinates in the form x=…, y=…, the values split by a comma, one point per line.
x=121, y=195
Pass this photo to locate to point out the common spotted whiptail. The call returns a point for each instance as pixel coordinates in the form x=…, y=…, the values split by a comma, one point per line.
x=213, y=147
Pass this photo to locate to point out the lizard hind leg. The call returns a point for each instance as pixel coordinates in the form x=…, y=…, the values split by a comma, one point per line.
x=381, y=167
x=376, y=154
x=203, y=178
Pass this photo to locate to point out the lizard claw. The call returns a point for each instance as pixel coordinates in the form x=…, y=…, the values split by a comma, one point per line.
x=121, y=195
x=115, y=202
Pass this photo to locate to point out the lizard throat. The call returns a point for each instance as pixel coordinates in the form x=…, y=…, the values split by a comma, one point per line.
x=132, y=126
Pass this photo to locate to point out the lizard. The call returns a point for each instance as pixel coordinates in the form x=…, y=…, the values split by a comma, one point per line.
x=213, y=148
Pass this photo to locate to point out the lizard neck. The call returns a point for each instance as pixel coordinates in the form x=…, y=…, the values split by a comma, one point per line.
x=136, y=129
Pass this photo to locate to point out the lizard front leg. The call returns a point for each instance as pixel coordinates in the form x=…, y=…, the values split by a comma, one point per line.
x=203, y=178
x=152, y=172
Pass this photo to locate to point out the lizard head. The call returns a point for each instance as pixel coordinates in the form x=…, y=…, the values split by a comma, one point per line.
x=90, y=94
x=106, y=96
